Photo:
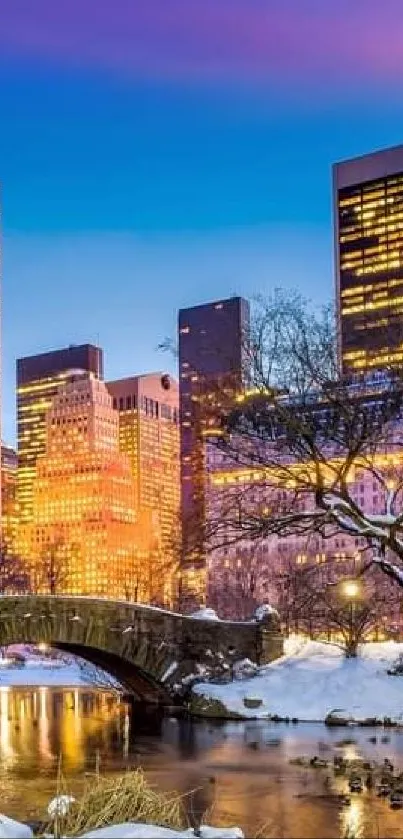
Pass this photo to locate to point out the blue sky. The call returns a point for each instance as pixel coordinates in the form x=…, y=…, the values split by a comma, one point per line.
x=132, y=188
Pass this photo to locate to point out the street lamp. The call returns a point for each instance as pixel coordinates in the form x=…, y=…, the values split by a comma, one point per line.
x=351, y=590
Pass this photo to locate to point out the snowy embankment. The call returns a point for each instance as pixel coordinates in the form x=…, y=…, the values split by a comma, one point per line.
x=312, y=679
x=10, y=829
x=42, y=674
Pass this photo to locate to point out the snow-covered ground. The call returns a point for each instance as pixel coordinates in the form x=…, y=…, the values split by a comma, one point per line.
x=42, y=673
x=10, y=829
x=136, y=830
x=314, y=678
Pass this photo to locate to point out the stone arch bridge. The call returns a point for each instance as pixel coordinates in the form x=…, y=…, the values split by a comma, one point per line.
x=147, y=650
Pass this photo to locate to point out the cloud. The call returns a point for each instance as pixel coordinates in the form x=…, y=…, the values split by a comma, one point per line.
x=280, y=42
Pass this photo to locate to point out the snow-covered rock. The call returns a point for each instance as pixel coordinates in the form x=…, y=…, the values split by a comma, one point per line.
x=60, y=806
x=134, y=830
x=205, y=615
x=10, y=829
x=264, y=611
x=314, y=680
x=245, y=669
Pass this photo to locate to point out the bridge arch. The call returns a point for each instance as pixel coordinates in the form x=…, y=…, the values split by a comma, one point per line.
x=146, y=649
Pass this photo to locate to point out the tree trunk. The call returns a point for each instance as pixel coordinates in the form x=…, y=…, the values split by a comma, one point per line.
x=351, y=648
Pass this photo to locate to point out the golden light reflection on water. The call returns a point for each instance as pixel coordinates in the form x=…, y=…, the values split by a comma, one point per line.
x=42, y=724
x=352, y=819
x=5, y=746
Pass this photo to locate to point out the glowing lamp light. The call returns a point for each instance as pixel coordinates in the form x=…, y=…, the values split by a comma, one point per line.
x=42, y=647
x=351, y=589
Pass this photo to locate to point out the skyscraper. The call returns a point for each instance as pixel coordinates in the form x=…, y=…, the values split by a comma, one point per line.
x=9, y=517
x=148, y=407
x=38, y=380
x=211, y=357
x=368, y=232
x=82, y=538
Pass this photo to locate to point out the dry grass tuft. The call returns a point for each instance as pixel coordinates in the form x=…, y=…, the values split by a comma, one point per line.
x=112, y=800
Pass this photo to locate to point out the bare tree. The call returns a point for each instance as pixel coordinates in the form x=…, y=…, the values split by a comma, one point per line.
x=51, y=573
x=303, y=438
x=240, y=583
x=14, y=578
x=323, y=603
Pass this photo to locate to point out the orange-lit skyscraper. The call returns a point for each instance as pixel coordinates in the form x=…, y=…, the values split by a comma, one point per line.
x=38, y=380
x=148, y=407
x=82, y=539
x=9, y=517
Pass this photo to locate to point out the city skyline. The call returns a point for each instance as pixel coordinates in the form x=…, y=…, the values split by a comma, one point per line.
x=184, y=178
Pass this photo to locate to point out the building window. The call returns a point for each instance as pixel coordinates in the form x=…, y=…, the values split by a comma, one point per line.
x=128, y=402
x=185, y=330
x=121, y=403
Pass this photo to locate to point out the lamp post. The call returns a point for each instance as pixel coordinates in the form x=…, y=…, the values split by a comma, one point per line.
x=351, y=590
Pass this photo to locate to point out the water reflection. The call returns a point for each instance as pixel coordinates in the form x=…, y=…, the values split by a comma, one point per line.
x=241, y=770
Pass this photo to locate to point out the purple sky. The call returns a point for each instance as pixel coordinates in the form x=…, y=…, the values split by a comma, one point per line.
x=275, y=41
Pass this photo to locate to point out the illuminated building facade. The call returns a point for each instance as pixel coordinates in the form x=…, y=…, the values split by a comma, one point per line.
x=211, y=359
x=244, y=572
x=368, y=216
x=82, y=538
x=38, y=380
x=148, y=408
x=9, y=514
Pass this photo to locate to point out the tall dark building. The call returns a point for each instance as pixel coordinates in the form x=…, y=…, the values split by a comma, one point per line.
x=211, y=356
x=368, y=227
x=38, y=379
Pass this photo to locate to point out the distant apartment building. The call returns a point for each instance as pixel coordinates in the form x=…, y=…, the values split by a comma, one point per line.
x=9, y=512
x=244, y=566
x=245, y=572
x=368, y=240
x=82, y=537
x=211, y=359
x=38, y=379
x=148, y=410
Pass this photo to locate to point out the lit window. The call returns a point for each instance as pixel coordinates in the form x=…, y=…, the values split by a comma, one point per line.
x=185, y=330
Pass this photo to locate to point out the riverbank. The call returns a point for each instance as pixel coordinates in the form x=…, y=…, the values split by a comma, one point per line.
x=11, y=829
x=309, y=682
x=42, y=674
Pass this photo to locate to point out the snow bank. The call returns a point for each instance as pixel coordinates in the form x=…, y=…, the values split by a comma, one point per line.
x=133, y=830
x=10, y=829
x=314, y=678
x=36, y=674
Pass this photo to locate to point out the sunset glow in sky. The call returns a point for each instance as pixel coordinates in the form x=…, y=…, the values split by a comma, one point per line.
x=159, y=153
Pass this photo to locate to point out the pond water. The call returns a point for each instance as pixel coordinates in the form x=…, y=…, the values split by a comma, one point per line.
x=241, y=770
